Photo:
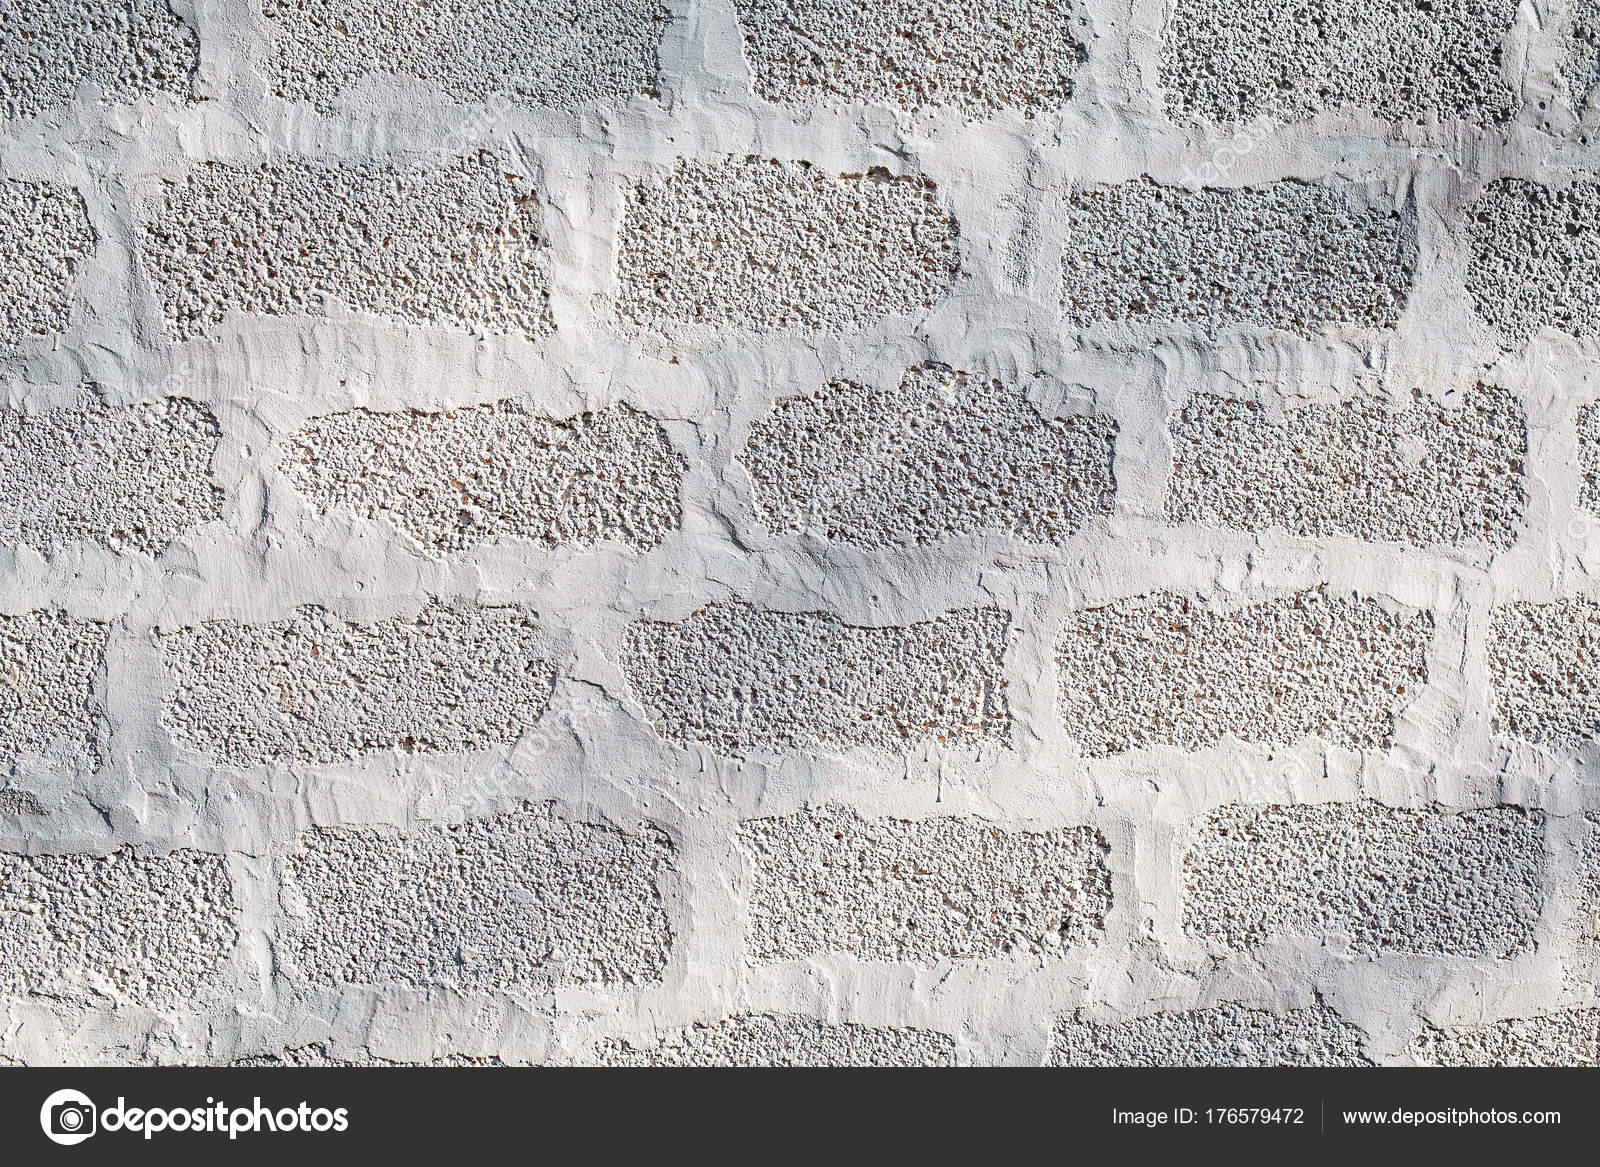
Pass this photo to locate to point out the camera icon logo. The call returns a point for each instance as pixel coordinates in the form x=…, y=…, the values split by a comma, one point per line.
x=68, y=1117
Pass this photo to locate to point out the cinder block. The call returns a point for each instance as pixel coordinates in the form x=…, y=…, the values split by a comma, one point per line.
x=44, y=237
x=458, y=245
x=1589, y=455
x=1424, y=475
x=555, y=55
x=1534, y=258
x=974, y=56
x=124, y=49
x=767, y=246
x=130, y=478
x=525, y=900
x=787, y=1040
x=318, y=689
x=826, y=880
x=1380, y=879
x=149, y=930
x=739, y=678
x=48, y=708
x=468, y=476
x=1544, y=661
x=1162, y=669
x=1228, y=1035
x=944, y=454
x=1580, y=65
x=1237, y=60
x=317, y=1053
x=1557, y=1039
x=1298, y=256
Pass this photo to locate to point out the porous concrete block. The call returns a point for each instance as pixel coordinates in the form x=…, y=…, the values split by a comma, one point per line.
x=130, y=478
x=1580, y=65
x=1425, y=475
x=1589, y=458
x=756, y=1039
x=48, y=707
x=1228, y=1035
x=124, y=49
x=21, y=802
x=458, y=244
x=1571, y=1038
x=1544, y=661
x=1586, y=908
x=966, y=54
x=1236, y=60
x=524, y=900
x=738, y=678
x=318, y=1053
x=318, y=689
x=766, y=246
x=377, y=526
x=558, y=54
x=1298, y=256
x=1163, y=669
x=1380, y=879
x=44, y=237
x=467, y=476
x=946, y=453
x=139, y=929
x=825, y=880
x=1534, y=258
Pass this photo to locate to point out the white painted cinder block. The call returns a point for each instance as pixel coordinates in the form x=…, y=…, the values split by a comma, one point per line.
x=799, y=532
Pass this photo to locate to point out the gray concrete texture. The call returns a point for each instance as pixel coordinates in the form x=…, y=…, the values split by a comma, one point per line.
x=800, y=532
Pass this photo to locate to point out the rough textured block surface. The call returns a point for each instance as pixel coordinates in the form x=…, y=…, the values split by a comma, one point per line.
x=457, y=479
x=48, y=708
x=687, y=412
x=1587, y=907
x=1589, y=457
x=44, y=237
x=1535, y=258
x=319, y=689
x=1234, y=60
x=738, y=678
x=563, y=54
x=944, y=454
x=785, y=1040
x=766, y=245
x=826, y=880
x=1229, y=1035
x=131, y=477
x=1544, y=660
x=974, y=56
x=1296, y=256
x=522, y=900
x=139, y=929
x=1428, y=474
x=1165, y=670
x=1581, y=64
x=20, y=802
x=1559, y=1039
x=457, y=244
x=317, y=1053
x=122, y=49
x=1380, y=879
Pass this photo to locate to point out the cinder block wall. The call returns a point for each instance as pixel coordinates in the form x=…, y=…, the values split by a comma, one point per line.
x=799, y=531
